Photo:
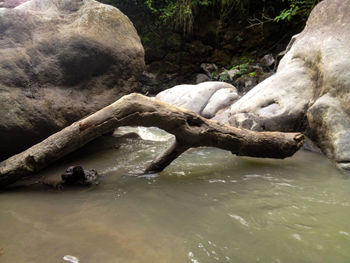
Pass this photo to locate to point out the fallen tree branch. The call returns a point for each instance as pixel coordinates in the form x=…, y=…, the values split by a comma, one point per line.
x=165, y=158
x=190, y=130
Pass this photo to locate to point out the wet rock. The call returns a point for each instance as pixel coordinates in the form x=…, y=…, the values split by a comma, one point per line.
x=329, y=125
x=76, y=175
x=310, y=146
x=60, y=61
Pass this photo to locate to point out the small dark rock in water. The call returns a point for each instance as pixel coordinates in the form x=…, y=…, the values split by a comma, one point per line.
x=75, y=175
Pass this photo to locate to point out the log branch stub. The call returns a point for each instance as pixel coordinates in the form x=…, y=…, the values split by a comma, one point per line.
x=165, y=158
x=190, y=130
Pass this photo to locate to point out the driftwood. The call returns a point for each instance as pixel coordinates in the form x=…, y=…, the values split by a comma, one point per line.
x=190, y=130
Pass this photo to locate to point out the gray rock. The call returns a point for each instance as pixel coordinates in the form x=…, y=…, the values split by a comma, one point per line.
x=330, y=126
x=232, y=73
x=246, y=120
x=59, y=61
x=222, y=116
x=209, y=68
x=197, y=97
x=311, y=87
x=148, y=78
x=219, y=100
x=268, y=61
x=273, y=109
x=11, y=3
x=201, y=78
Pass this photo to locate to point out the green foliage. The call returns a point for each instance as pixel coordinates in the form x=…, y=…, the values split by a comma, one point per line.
x=243, y=67
x=182, y=13
x=252, y=74
x=301, y=8
x=287, y=14
x=241, y=70
x=145, y=39
x=214, y=75
x=238, y=38
x=223, y=77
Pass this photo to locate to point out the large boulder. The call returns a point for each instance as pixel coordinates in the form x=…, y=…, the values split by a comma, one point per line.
x=311, y=89
x=59, y=61
x=205, y=98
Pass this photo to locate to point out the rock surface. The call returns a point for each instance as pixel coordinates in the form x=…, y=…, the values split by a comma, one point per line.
x=220, y=99
x=61, y=60
x=201, y=78
x=205, y=98
x=311, y=89
x=76, y=175
x=330, y=127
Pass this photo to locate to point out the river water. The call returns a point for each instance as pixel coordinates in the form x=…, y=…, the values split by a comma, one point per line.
x=208, y=206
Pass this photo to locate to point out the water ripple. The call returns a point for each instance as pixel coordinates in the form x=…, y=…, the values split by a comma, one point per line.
x=240, y=219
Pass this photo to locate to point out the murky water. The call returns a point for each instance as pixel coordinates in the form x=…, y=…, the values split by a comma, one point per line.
x=208, y=206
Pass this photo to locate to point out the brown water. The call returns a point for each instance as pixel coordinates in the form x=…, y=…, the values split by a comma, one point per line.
x=208, y=206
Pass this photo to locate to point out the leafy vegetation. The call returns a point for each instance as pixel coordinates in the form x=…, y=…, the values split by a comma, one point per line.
x=182, y=14
x=296, y=7
x=214, y=75
x=242, y=69
x=190, y=32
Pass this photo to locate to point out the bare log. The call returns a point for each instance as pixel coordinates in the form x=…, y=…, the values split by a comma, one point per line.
x=190, y=130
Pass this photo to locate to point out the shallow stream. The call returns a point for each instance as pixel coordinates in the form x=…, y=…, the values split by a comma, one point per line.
x=208, y=206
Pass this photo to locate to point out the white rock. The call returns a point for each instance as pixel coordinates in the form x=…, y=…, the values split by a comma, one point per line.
x=220, y=99
x=192, y=97
x=313, y=80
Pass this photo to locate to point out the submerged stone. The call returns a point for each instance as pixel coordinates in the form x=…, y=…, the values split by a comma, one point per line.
x=76, y=175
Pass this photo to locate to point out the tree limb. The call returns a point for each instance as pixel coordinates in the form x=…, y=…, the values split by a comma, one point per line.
x=165, y=158
x=190, y=130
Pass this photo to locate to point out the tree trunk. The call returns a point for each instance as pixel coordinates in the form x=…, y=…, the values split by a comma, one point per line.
x=190, y=130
